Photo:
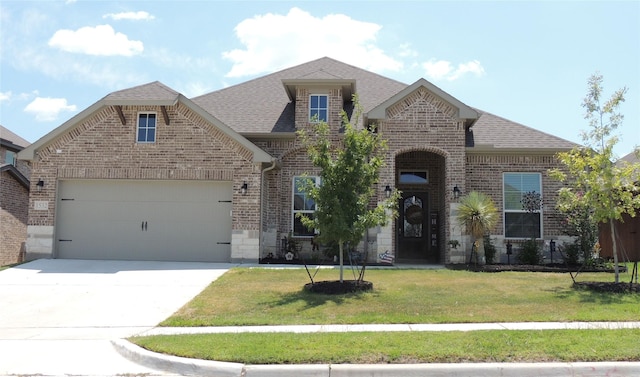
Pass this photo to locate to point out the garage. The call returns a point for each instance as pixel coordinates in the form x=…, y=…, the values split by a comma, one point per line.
x=144, y=220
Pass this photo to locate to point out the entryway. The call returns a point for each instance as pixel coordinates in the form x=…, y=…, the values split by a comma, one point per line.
x=420, y=178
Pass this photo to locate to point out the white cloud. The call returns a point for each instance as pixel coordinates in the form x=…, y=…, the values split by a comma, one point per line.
x=444, y=70
x=406, y=51
x=136, y=16
x=47, y=109
x=101, y=40
x=274, y=41
x=5, y=96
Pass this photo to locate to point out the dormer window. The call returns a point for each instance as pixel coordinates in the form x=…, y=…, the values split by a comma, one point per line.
x=318, y=107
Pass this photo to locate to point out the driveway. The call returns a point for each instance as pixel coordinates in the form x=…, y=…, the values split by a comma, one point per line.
x=58, y=316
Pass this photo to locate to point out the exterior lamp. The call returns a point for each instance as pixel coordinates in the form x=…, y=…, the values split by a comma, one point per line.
x=243, y=188
x=40, y=184
x=387, y=192
x=509, y=251
x=456, y=192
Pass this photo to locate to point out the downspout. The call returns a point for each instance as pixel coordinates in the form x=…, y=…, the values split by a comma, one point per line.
x=274, y=163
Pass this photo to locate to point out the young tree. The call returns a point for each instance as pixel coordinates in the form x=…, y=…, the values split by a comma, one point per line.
x=349, y=168
x=478, y=214
x=594, y=180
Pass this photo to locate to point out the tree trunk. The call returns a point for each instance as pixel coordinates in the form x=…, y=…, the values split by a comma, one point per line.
x=614, y=250
x=341, y=260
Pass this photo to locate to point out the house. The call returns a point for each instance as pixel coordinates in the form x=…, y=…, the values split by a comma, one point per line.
x=146, y=173
x=627, y=231
x=14, y=197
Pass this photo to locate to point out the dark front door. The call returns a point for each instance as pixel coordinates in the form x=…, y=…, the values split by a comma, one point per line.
x=413, y=227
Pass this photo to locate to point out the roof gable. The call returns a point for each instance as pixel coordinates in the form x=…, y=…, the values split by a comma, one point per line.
x=463, y=111
x=154, y=93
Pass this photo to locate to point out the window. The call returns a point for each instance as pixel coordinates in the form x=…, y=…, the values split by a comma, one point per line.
x=318, y=108
x=146, y=128
x=10, y=158
x=414, y=177
x=519, y=223
x=302, y=204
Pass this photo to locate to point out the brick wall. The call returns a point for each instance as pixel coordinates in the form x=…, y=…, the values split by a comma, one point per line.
x=188, y=148
x=14, y=205
x=484, y=173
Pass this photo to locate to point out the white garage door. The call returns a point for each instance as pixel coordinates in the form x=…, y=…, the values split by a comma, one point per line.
x=144, y=220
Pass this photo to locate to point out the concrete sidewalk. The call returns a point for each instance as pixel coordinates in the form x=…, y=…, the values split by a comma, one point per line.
x=192, y=367
x=395, y=327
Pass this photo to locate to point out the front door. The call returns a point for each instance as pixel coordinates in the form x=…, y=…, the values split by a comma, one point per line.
x=413, y=227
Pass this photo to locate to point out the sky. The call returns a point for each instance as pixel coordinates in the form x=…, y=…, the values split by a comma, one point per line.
x=525, y=61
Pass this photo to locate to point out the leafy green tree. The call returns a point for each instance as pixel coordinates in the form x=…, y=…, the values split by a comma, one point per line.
x=349, y=168
x=478, y=213
x=593, y=179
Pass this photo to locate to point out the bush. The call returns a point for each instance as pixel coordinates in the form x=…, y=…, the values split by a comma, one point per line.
x=530, y=253
x=489, y=249
x=571, y=253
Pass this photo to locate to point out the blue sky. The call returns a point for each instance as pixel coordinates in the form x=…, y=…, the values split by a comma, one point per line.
x=525, y=61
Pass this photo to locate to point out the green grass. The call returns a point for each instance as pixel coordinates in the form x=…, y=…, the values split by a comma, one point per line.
x=395, y=347
x=275, y=297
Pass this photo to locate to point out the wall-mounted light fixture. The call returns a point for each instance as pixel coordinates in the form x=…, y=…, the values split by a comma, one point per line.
x=387, y=191
x=456, y=192
x=243, y=188
x=40, y=184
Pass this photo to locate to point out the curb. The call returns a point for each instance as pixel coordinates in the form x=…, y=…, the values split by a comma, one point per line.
x=194, y=367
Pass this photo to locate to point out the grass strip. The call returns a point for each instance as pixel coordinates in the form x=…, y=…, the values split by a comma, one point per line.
x=403, y=348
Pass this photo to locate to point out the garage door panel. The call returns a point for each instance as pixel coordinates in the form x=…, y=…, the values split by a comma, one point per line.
x=143, y=220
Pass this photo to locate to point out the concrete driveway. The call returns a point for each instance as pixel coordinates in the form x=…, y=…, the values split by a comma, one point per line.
x=57, y=317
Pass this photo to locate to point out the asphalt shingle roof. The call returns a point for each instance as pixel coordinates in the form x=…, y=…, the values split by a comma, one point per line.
x=151, y=92
x=261, y=105
x=497, y=132
x=12, y=138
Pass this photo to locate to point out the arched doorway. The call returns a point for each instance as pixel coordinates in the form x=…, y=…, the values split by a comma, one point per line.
x=420, y=176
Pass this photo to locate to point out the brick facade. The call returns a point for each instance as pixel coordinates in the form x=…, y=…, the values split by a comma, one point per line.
x=14, y=203
x=14, y=208
x=101, y=147
x=425, y=129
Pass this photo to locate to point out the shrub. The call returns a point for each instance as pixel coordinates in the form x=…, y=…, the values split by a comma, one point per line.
x=489, y=249
x=530, y=253
x=571, y=253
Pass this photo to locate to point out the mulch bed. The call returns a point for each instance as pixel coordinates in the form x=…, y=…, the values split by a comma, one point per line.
x=335, y=287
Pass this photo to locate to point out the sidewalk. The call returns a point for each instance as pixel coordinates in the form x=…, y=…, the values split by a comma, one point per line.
x=192, y=367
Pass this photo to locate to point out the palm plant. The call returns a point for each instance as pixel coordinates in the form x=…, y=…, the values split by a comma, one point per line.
x=478, y=214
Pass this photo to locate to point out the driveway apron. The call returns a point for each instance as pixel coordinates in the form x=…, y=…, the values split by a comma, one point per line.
x=59, y=316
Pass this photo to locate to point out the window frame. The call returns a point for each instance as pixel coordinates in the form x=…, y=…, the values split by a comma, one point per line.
x=146, y=127
x=317, y=109
x=522, y=191
x=295, y=211
x=10, y=154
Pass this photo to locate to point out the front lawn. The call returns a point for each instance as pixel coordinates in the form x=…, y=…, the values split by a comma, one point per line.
x=260, y=296
x=246, y=296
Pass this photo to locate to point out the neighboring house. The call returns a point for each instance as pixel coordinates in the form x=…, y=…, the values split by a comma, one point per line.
x=14, y=198
x=627, y=231
x=146, y=173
